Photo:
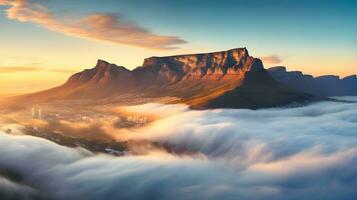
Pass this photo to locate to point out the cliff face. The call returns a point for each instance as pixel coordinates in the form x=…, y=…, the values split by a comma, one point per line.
x=228, y=62
x=230, y=78
x=209, y=66
x=328, y=85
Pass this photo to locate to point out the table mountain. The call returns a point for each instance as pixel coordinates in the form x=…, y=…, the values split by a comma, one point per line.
x=230, y=78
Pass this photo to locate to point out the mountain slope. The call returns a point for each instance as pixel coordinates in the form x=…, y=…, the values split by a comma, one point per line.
x=258, y=90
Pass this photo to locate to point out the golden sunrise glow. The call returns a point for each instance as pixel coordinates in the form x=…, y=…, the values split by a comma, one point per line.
x=44, y=48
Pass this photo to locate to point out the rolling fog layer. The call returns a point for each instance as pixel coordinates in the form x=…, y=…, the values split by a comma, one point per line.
x=293, y=153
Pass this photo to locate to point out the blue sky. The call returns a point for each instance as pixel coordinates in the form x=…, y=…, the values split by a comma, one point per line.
x=313, y=21
x=315, y=36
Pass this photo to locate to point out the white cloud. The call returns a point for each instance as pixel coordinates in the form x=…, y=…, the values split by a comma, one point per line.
x=297, y=153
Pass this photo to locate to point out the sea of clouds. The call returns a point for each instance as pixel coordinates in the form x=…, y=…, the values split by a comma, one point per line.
x=297, y=153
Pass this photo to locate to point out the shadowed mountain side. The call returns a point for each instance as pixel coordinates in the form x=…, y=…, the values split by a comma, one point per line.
x=258, y=90
x=328, y=85
x=221, y=79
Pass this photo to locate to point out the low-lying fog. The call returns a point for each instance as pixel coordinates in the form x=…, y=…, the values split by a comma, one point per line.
x=282, y=153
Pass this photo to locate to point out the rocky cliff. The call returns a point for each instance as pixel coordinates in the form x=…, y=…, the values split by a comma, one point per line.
x=195, y=66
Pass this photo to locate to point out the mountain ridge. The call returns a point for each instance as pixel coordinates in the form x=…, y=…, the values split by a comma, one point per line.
x=326, y=85
x=201, y=80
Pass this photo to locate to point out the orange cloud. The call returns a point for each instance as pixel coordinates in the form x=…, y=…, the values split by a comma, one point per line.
x=99, y=27
x=272, y=59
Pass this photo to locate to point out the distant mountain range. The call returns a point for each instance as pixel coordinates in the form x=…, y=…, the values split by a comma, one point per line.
x=226, y=79
x=328, y=85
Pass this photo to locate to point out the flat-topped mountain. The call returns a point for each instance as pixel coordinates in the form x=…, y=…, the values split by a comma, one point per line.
x=195, y=66
x=230, y=78
x=170, y=69
x=329, y=85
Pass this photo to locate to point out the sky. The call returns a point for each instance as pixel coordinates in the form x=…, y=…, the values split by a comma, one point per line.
x=45, y=41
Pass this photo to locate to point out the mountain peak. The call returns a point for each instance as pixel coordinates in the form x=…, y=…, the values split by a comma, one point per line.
x=101, y=63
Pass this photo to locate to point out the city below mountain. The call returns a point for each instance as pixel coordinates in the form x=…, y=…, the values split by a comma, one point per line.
x=226, y=79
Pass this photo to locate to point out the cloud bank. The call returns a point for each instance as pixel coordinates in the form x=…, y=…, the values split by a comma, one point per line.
x=100, y=26
x=296, y=153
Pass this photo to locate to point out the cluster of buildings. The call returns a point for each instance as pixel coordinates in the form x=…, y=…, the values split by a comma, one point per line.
x=88, y=116
x=137, y=119
x=36, y=112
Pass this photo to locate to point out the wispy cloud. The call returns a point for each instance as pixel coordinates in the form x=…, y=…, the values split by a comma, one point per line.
x=100, y=26
x=272, y=59
x=18, y=69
